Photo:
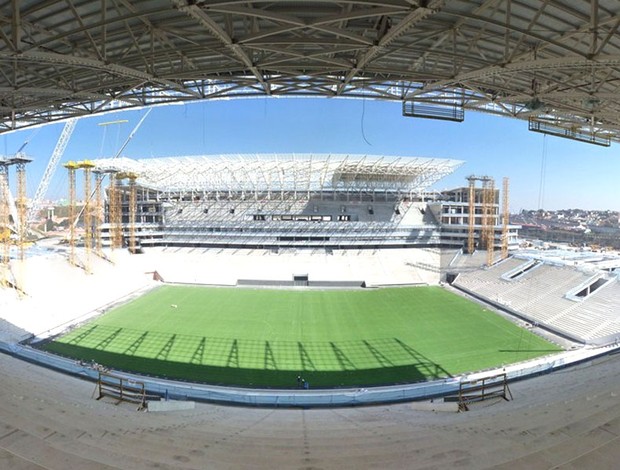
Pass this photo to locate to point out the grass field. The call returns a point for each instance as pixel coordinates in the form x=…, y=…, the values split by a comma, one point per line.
x=266, y=338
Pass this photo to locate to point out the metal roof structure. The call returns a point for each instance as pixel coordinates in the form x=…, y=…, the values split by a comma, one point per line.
x=291, y=172
x=553, y=62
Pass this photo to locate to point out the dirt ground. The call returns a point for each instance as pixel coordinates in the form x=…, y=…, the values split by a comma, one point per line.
x=568, y=420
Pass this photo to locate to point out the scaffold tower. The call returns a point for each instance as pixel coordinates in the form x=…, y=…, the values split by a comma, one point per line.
x=22, y=204
x=5, y=231
x=505, y=217
x=132, y=207
x=115, y=213
x=71, y=167
x=486, y=196
x=488, y=209
x=87, y=166
x=98, y=213
x=472, y=215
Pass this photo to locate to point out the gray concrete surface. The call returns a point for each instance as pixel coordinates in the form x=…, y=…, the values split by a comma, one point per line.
x=568, y=420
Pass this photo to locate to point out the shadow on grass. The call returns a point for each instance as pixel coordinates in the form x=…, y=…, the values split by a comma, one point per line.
x=248, y=362
x=244, y=377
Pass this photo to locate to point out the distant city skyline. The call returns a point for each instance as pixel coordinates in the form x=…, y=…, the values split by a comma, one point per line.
x=574, y=174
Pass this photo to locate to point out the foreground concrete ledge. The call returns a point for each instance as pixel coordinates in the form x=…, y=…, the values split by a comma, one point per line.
x=170, y=405
x=275, y=398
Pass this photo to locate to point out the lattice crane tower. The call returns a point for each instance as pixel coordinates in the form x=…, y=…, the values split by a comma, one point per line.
x=59, y=150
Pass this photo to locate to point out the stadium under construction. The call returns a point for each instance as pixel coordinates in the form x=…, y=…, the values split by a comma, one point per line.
x=323, y=220
x=289, y=231
x=293, y=201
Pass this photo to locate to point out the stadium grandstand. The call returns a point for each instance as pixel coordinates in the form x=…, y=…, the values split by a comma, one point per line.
x=572, y=294
x=223, y=223
x=288, y=201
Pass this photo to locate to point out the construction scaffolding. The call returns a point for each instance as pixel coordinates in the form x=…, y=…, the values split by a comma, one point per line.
x=22, y=202
x=87, y=166
x=131, y=205
x=115, y=211
x=98, y=213
x=5, y=221
x=488, y=210
x=471, y=246
x=505, y=217
x=71, y=167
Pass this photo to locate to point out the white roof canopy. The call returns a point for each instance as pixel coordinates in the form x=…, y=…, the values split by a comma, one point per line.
x=288, y=172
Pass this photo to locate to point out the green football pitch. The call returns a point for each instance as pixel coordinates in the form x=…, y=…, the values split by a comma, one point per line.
x=331, y=338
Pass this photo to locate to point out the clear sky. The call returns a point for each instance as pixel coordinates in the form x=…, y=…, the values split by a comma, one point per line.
x=576, y=175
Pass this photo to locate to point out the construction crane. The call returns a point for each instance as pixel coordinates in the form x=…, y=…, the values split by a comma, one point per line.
x=131, y=135
x=59, y=150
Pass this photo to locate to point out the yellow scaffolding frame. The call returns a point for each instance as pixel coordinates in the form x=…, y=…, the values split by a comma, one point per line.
x=505, y=217
x=71, y=167
x=87, y=166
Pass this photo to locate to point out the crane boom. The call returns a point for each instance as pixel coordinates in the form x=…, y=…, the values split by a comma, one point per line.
x=131, y=134
x=59, y=150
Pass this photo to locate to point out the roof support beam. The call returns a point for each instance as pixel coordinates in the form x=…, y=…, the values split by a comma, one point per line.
x=16, y=25
x=407, y=22
x=207, y=22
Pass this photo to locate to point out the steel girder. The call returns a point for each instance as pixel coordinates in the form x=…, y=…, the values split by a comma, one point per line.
x=283, y=172
x=548, y=59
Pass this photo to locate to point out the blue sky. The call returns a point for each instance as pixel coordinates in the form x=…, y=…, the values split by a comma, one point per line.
x=577, y=175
